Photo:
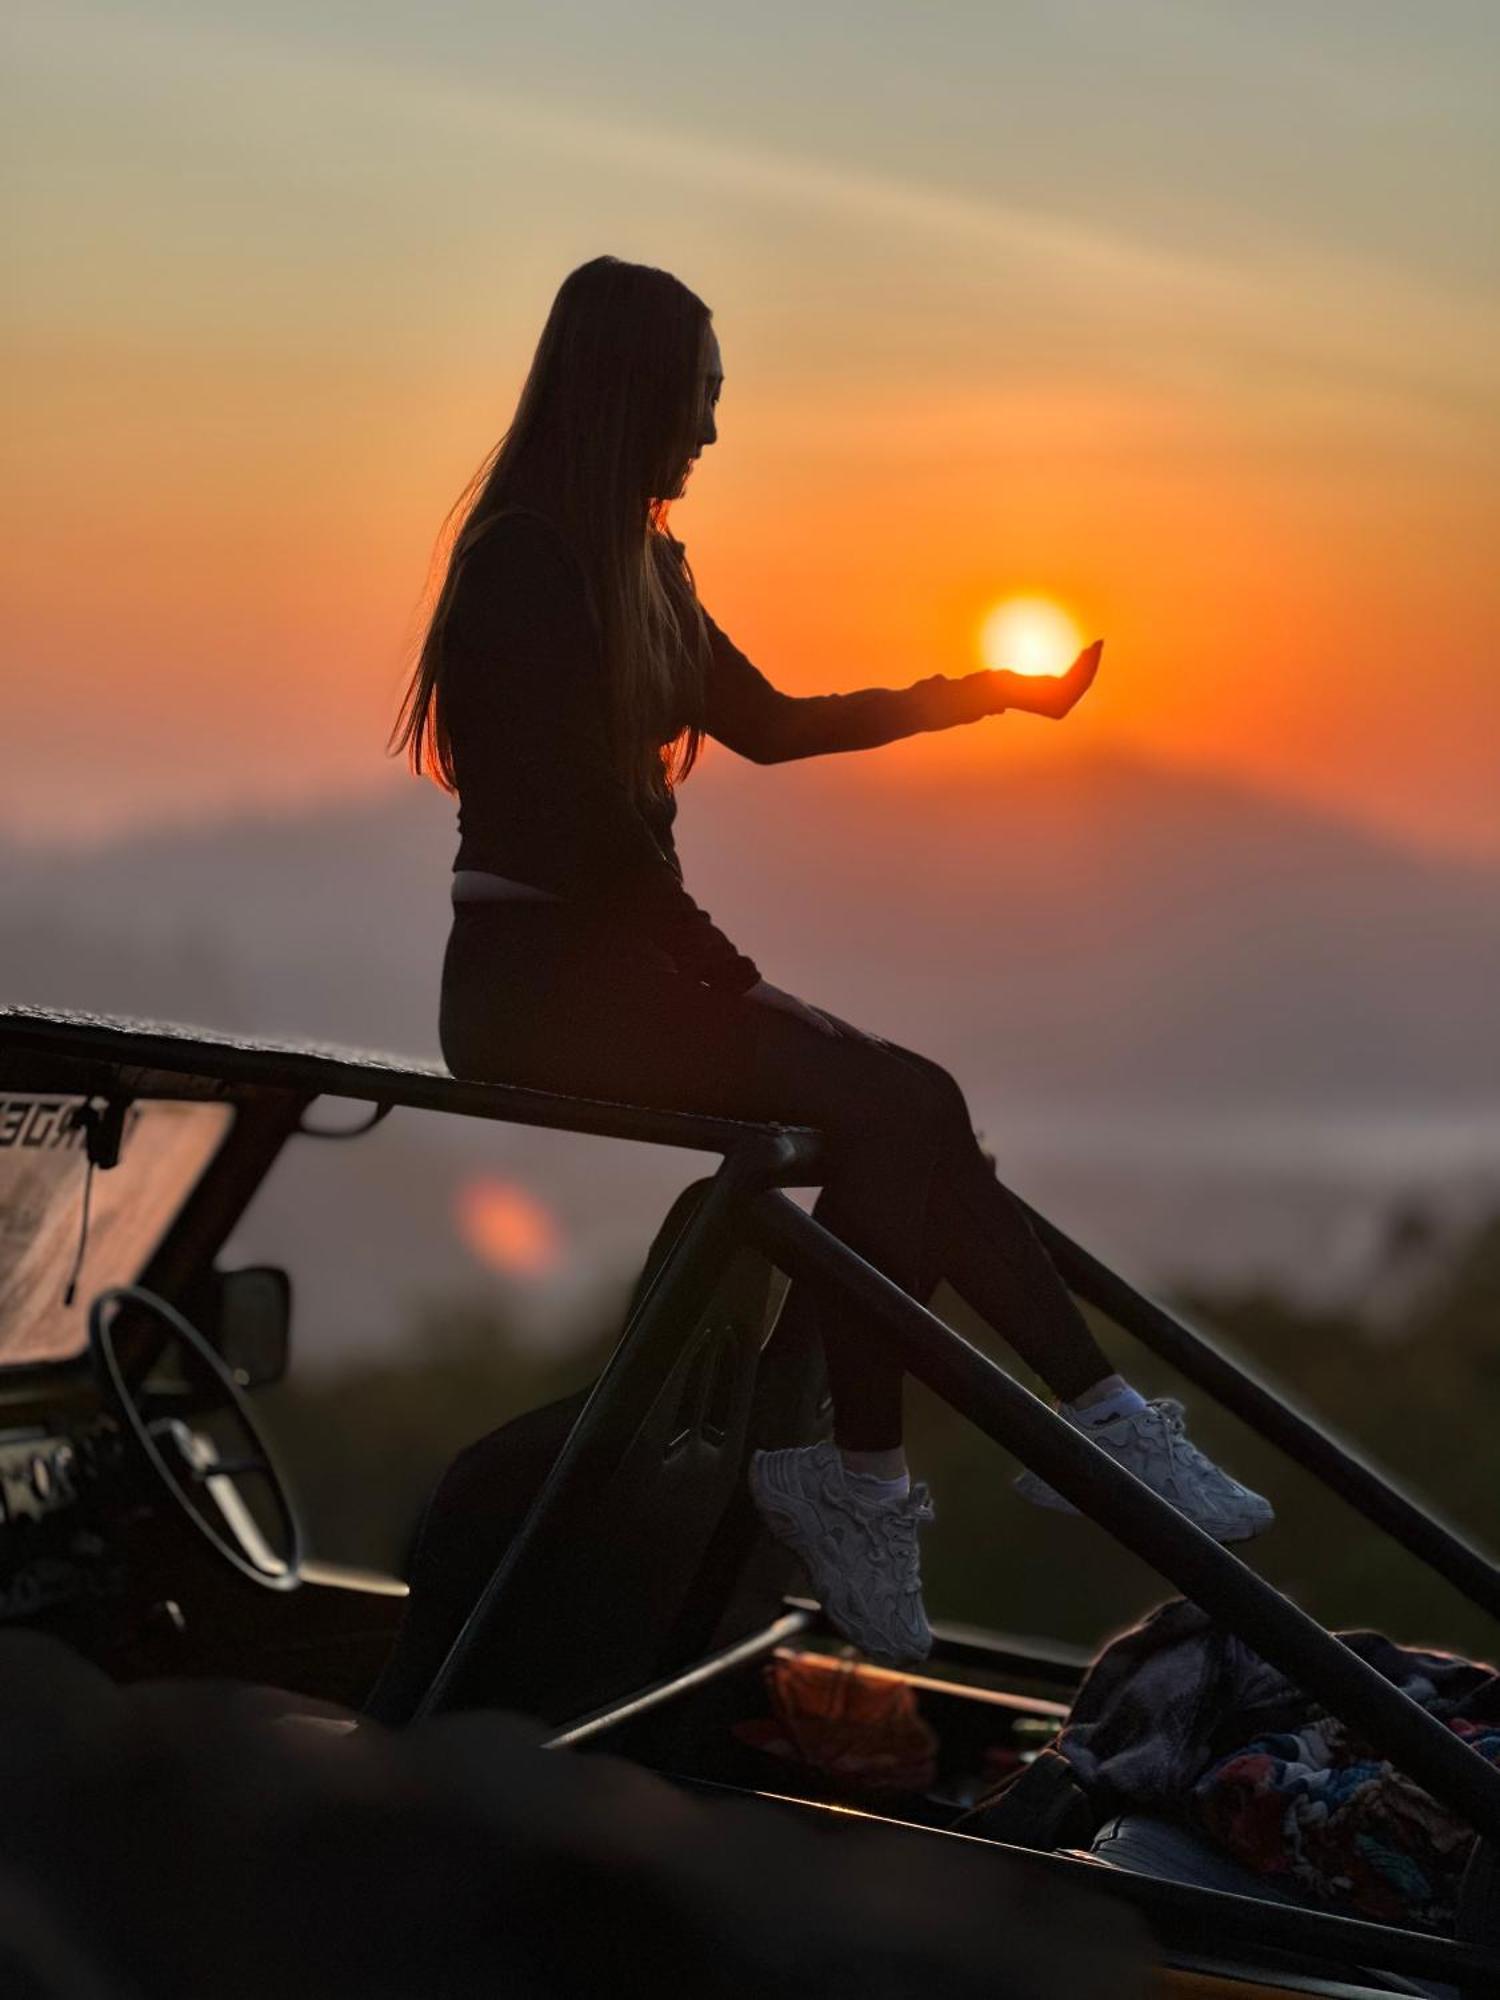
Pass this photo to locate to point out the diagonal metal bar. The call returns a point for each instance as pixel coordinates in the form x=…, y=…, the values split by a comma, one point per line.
x=791, y=1625
x=1367, y=1489
x=1129, y=1511
x=635, y=1371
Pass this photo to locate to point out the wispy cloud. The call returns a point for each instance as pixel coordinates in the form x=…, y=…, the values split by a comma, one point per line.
x=1291, y=303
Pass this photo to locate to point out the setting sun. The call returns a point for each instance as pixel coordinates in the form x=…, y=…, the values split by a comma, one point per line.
x=1029, y=635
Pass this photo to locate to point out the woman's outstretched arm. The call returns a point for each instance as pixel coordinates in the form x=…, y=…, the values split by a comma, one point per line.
x=746, y=713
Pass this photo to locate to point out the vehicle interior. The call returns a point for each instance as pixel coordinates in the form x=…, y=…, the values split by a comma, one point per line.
x=148, y=1524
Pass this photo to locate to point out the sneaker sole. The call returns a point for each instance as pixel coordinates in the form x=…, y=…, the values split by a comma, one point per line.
x=787, y=1529
x=1058, y=1505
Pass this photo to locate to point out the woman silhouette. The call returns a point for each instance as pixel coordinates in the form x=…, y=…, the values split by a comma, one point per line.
x=565, y=682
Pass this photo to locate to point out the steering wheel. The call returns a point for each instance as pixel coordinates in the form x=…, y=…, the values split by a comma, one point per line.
x=202, y=1480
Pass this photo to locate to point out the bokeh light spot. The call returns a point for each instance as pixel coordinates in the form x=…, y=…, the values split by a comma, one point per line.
x=506, y=1227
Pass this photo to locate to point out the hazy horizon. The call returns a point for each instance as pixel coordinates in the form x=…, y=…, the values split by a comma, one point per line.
x=1217, y=1038
x=910, y=783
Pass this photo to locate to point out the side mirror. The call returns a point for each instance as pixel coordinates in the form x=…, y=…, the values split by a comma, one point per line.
x=252, y=1323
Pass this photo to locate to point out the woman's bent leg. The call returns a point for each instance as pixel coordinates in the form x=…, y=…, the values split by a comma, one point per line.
x=527, y=999
x=976, y=1235
x=883, y=1126
x=531, y=999
x=981, y=1241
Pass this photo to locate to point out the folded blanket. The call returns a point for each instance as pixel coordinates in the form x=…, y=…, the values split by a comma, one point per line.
x=1177, y=1716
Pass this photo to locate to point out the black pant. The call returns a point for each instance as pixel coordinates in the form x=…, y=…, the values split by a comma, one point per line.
x=530, y=996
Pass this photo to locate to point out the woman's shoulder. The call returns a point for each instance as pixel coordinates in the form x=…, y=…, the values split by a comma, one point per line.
x=517, y=572
x=516, y=532
x=521, y=550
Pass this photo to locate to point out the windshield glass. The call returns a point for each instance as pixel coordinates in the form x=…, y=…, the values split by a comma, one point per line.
x=164, y=1147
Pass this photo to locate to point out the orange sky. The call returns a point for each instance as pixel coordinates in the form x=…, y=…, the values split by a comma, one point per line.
x=280, y=287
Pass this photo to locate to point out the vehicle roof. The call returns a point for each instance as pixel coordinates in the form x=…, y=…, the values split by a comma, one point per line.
x=64, y=1049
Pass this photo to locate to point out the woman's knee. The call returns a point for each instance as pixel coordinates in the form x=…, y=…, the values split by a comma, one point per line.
x=859, y=1088
x=926, y=1102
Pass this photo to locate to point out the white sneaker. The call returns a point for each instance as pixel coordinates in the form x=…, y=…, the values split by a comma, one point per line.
x=860, y=1555
x=1153, y=1444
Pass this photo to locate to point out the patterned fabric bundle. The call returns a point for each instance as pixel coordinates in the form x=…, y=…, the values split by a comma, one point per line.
x=1178, y=1717
x=1321, y=1814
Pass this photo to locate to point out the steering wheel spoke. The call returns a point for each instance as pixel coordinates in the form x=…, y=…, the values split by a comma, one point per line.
x=233, y=1468
x=188, y=1461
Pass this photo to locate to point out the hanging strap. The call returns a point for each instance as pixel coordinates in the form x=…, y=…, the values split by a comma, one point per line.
x=102, y=1128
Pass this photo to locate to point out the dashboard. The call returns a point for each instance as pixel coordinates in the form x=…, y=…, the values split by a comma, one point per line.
x=58, y=1488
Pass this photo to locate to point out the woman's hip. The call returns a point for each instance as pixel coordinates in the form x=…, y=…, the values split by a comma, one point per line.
x=531, y=997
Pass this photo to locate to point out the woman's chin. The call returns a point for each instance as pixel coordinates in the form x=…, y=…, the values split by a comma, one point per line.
x=676, y=492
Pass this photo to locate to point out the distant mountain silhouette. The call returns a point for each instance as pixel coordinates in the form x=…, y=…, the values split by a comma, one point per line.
x=1080, y=931
x=1096, y=948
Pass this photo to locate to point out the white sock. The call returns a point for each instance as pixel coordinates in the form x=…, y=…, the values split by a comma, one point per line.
x=870, y=1488
x=1121, y=1402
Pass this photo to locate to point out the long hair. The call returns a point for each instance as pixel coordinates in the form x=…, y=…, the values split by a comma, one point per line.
x=607, y=418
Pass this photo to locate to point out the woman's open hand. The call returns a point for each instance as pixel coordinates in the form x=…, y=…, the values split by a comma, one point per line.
x=1053, y=695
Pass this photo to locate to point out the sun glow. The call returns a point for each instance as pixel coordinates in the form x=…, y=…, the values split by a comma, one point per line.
x=1029, y=635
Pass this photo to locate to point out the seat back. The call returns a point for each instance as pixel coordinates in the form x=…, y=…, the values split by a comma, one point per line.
x=646, y=1562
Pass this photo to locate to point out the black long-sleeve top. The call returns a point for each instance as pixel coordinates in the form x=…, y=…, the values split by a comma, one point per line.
x=525, y=703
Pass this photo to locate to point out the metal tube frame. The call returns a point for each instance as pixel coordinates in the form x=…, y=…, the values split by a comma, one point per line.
x=791, y=1625
x=646, y=1350
x=1135, y=1516
x=1370, y=1491
x=743, y=1203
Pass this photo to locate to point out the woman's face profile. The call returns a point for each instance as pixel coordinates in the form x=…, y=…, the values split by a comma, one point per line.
x=710, y=382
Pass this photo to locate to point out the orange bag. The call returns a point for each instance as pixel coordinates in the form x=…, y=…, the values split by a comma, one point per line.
x=859, y=1725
